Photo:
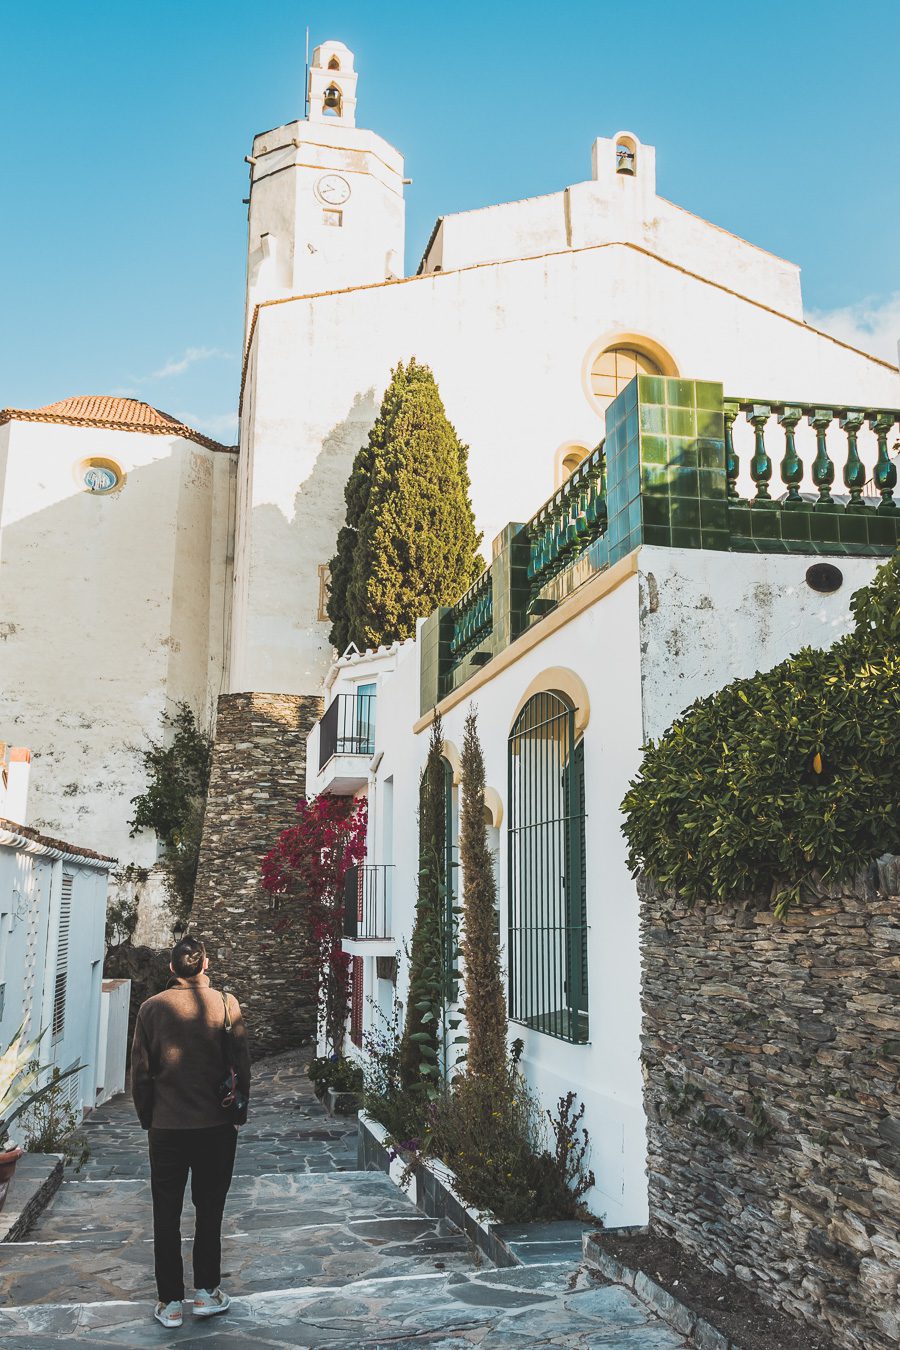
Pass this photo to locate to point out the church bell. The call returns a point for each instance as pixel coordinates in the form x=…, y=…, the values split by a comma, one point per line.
x=332, y=98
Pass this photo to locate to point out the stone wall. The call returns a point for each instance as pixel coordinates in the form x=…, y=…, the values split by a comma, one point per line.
x=772, y=1083
x=258, y=775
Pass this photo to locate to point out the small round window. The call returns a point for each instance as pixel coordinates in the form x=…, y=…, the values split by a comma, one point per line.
x=616, y=367
x=99, y=476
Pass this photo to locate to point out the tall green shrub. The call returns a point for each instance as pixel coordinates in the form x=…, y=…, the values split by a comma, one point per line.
x=420, y=1044
x=778, y=778
x=174, y=801
x=356, y=495
x=485, y=1001
x=409, y=541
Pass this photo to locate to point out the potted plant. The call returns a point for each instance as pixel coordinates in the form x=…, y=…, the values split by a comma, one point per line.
x=345, y=1088
x=20, y=1072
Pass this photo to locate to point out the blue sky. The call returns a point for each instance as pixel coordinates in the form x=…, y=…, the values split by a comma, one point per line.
x=123, y=129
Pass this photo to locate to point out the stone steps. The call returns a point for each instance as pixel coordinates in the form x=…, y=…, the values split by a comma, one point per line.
x=529, y=1309
x=315, y=1253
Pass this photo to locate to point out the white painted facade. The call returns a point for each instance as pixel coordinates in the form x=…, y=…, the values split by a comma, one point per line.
x=639, y=643
x=114, y=607
x=112, y=1049
x=512, y=305
x=52, y=924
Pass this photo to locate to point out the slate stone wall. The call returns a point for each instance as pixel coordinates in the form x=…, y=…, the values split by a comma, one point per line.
x=258, y=775
x=772, y=1085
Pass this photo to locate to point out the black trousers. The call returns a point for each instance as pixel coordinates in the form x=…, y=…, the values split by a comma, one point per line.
x=209, y=1157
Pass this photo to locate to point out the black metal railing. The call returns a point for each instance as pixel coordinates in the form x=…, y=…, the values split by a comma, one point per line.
x=367, y=901
x=347, y=727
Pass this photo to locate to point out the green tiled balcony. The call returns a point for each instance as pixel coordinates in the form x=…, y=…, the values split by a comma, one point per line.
x=668, y=474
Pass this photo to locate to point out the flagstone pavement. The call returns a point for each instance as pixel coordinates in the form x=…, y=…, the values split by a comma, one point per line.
x=315, y=1253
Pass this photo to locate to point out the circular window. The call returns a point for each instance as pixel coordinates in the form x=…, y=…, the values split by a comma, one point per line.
x=616, y=367
x=824, y=578
x=99, y=476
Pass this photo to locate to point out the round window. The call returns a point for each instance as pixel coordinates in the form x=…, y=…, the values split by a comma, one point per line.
x=99, y=476
x=616, y=367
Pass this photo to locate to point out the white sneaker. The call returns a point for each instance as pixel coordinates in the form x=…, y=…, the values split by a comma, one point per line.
x=208, y=1302
x=169, y=1314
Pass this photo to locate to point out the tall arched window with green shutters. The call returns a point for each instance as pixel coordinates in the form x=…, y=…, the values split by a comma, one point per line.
x=548, y=986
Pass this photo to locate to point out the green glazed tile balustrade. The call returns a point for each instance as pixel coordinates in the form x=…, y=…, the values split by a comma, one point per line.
x=668, y=474
x=819, y=521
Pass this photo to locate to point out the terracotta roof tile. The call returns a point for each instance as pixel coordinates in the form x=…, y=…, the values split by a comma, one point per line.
x=113, y=414
x=47, y=841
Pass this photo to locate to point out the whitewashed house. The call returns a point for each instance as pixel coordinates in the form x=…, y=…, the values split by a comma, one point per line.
x=52, y=923
x=532, y=313
x=644, y=582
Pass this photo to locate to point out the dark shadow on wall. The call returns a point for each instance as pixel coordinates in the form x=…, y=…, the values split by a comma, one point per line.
x=286, y=554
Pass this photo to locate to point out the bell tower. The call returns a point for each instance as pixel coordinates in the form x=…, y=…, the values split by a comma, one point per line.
x=326, y=196
x=331, y=92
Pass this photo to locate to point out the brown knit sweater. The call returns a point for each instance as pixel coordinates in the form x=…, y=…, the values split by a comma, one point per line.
x=177, y=1059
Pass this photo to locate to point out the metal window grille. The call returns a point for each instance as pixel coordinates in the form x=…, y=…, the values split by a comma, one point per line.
x=62, y=959
x=367, y=901
x=347, y=727
x=548, y=983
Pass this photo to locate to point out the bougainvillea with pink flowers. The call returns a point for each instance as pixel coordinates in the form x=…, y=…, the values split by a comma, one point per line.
x=306, y=871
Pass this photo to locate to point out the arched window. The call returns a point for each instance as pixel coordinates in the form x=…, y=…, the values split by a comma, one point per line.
x=547, y=954
x=566, y=461
x=333, y=101
x=626, y=156
x=334, y=64
x=616, y=367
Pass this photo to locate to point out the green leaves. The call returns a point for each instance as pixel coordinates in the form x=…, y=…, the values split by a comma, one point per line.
x=793, y=772
x=172, y=805
x=409, y=542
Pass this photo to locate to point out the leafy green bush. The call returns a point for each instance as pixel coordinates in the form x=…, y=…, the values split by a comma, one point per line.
x=173, y=803
x=507, y=1154
x=52, y=1127
x=791, y=774
x=400, y=1109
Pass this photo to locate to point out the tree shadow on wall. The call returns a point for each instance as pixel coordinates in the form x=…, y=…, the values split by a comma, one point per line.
x=285, y=557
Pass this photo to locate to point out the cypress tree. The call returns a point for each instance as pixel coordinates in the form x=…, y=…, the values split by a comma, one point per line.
x=356, y=495
x=485, y=1006
x=415, y=545
x=420, y=1042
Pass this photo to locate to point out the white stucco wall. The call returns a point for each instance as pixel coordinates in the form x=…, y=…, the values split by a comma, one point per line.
x=511, y=345
x=31, y=884
x=606, y=1072
x=295, y=243
x=112, y=610
x=708, y=618
x=614, y=207
x=681, y=626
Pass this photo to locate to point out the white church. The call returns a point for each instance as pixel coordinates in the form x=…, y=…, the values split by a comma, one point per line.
x=142, y=564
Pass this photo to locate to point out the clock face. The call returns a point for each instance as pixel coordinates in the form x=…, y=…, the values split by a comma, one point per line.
x=333, y=189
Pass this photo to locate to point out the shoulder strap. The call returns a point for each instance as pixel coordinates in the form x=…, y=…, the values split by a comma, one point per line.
x=227, y=1013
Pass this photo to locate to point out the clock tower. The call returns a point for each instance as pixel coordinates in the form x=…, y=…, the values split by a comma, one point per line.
x=326, y=196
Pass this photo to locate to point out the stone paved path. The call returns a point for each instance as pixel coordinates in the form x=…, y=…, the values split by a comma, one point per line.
x=315, y=1254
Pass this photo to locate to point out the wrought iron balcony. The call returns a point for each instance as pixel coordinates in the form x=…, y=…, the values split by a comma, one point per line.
x=367, y=902
x=347, y=727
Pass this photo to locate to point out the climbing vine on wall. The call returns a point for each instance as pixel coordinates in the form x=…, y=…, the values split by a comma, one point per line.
x=792, y=773
x=173, y=803
x=306, y=869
